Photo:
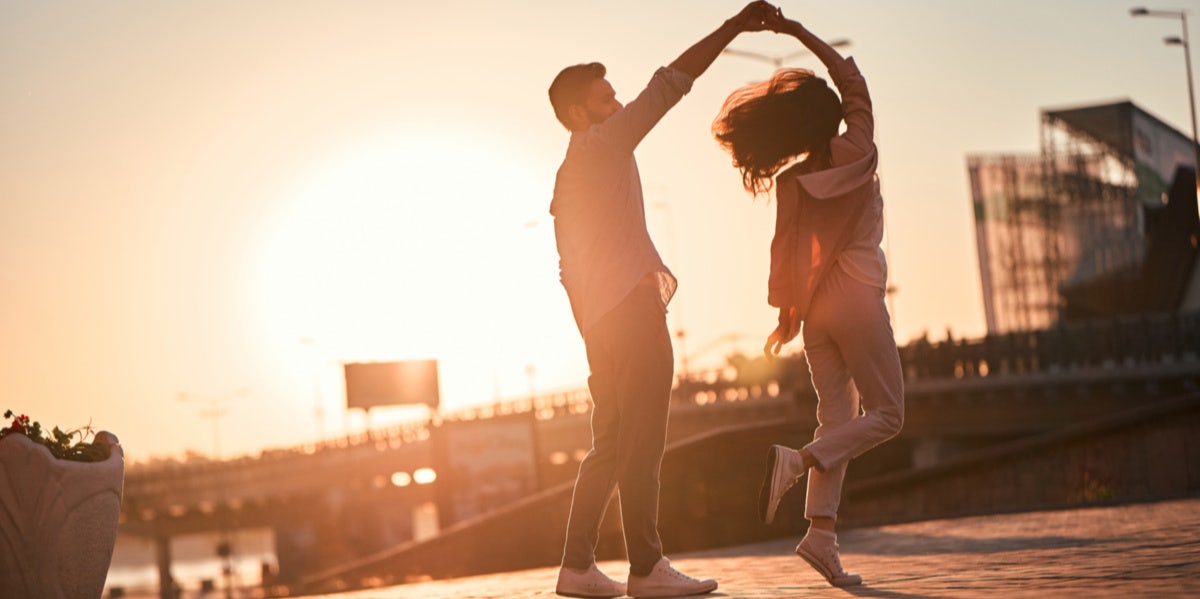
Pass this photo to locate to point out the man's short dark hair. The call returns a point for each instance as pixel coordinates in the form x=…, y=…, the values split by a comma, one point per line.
x=570, y=87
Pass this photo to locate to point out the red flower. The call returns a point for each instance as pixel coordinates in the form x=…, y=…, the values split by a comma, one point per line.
x=20, y=424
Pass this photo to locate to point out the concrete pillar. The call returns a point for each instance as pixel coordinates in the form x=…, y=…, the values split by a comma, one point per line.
x=166, y=583
x=926, y=452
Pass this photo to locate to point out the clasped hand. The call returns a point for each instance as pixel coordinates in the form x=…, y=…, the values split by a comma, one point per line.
x=760, y=16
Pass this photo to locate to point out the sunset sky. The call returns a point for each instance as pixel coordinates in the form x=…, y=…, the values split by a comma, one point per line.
x=229, y=199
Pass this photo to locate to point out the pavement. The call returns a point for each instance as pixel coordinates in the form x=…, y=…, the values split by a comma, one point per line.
x=1138, y=550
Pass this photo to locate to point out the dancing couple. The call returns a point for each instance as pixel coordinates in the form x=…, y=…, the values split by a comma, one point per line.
x=827, y=272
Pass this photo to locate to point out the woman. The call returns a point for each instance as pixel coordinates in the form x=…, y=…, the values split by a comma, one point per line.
x=827, y=272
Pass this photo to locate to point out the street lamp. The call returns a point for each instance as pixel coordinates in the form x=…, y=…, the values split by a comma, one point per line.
x=214, y=411
x=680, y=330
x=1187, y=58
x=318, y=410
x=778, y=60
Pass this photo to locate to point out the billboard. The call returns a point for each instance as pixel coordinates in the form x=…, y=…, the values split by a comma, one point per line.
x=484, y=465
x=1157, y=150
x=372, y=384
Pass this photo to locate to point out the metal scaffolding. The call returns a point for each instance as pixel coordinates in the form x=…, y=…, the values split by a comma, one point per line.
x=1071, y=214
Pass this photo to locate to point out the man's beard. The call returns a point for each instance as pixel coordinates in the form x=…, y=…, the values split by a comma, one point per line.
x=596, y=118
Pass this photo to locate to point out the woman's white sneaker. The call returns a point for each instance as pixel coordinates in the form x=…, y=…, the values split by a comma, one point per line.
x=665, y=581
x=820, y=550
x=589, y=584
x=784, y=469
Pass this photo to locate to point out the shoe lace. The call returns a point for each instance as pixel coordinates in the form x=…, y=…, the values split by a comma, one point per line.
x=597, y=578
x=834, y=559
x=830, y=555
x=677, y=574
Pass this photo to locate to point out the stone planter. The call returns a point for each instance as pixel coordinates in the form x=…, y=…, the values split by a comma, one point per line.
x=58, y=520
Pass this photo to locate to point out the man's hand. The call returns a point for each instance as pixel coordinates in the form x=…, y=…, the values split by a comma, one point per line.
x=696, y=59
x=754, y=16
x=775, y=21
x=787, y=330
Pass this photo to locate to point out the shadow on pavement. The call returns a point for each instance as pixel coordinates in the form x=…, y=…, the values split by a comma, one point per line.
x=867, y=591
x=898, y=543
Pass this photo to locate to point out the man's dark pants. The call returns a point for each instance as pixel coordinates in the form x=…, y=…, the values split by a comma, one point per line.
x=632, y=366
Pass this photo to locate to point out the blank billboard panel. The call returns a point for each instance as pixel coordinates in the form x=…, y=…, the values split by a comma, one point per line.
x=371, y=384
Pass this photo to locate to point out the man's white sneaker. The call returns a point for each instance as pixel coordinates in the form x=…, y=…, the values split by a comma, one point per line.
x=784, y=468
x=590, y=583
x=820, y=550
x=665, y=581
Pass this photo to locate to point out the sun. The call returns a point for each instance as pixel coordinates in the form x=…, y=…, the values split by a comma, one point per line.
x=422, y=243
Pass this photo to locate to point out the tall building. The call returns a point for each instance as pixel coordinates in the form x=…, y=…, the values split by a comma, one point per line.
x=1095, y=225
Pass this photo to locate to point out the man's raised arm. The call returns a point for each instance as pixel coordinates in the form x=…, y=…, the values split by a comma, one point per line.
x=626, y=128
x=695, y=60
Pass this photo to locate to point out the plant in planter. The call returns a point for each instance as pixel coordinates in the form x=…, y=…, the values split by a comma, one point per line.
x=60, y=499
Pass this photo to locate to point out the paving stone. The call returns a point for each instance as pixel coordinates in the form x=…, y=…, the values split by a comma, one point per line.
x=1140, y=550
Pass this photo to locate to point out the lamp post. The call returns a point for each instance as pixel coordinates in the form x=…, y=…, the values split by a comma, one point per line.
x=214, y=411
x=1187, y=60
x=778, y=60
x=318, y=408
x=680, y=330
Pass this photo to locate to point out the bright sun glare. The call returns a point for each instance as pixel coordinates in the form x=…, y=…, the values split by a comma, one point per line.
x=422, y=244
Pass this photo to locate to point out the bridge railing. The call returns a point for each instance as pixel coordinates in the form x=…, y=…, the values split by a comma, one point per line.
x=545, y=406
x=1141, y=340
x=1144, y=340
x=1133, y=341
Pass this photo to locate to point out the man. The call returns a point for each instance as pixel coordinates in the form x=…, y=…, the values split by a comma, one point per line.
x=619, y=288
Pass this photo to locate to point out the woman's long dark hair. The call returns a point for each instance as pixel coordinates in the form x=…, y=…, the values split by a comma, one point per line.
x=766, y=125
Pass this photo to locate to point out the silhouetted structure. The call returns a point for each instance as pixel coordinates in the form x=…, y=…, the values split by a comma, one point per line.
x=1086, y=228
x=358, y=496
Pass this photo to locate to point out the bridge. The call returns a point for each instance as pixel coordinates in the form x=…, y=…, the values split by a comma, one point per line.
x=363, y=493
